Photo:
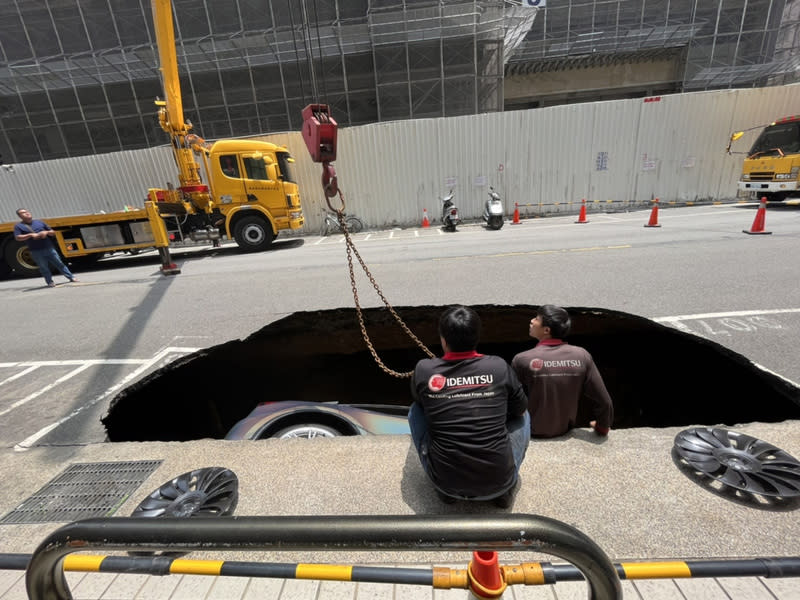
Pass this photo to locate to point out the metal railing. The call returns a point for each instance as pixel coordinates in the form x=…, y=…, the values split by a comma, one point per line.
x=45, y=578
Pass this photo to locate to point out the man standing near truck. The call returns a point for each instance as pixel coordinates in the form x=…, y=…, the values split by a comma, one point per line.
x=35, y=234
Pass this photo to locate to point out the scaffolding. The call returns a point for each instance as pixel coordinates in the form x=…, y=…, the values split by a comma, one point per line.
x=80, y=78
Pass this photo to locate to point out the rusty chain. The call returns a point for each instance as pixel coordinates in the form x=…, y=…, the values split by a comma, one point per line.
x=351, y=250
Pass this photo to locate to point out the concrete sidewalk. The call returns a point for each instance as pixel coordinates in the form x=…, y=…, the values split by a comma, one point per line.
x=624, y=492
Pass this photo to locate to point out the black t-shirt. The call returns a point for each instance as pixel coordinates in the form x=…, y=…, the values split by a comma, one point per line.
x=467, y=399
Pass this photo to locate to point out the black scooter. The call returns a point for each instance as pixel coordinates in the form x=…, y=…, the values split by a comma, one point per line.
x=450, y=218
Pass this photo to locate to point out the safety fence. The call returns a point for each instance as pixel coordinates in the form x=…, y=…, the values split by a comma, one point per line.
x=529, y=573
x=45, y=578
x=484, y=576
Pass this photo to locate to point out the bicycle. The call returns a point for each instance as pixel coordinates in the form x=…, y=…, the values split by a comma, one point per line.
x=330, y=224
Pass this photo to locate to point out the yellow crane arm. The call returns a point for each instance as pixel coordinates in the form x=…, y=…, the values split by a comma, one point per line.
x=170, y=113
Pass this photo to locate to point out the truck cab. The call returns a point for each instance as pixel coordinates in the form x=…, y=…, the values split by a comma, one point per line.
x=253, y=187
x=772, y=167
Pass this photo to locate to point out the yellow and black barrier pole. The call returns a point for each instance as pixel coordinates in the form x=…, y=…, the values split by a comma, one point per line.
x=45, y=579
x=534, y=573
x=767, y=567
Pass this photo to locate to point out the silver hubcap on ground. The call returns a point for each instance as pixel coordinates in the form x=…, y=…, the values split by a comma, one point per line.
x=740, y=461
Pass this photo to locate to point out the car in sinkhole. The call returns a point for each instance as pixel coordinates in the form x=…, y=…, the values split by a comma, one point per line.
x=304, y=370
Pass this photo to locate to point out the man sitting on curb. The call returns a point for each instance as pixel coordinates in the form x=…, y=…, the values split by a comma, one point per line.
x=469, y=420
x=559, y=377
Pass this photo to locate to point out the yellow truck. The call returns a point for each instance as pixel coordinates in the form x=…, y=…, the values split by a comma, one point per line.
x=771, y=168
x=249, y=196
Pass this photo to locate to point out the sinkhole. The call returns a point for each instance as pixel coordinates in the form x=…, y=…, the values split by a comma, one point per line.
x=657, y=376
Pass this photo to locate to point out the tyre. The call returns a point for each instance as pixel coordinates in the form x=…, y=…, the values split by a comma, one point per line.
x=354, y=224
x=18, y=258
x=772, y=196
x=495, y=222
x=307, y=431
x=253, y=234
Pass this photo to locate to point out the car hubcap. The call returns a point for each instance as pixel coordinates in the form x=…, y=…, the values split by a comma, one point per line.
x=307, y=431
x=739, y=461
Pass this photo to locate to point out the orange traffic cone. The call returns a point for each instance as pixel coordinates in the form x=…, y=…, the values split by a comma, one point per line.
x=758, y=222
x=485, y=578
x=515, y=221
x=653, y=222
x=582, y=215
x=425, y=222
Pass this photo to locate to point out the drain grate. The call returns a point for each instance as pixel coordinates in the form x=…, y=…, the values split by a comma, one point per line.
x=83, y=491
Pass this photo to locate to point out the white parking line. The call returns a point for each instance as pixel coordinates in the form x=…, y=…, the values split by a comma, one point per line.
x=144, y=365
x=46, y=388
x=18, y=375
x=677, y=321
x=724, y=315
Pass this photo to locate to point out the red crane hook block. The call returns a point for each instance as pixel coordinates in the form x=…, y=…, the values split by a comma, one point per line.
x=319, y=132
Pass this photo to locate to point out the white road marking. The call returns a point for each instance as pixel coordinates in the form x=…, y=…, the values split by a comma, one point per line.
x=18, y=375
x=46, y=388
x=75, y=361
x=723, y=315
x=677, y=322
x=144, y=365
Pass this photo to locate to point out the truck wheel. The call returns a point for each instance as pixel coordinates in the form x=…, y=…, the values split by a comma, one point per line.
x=19, y=258
x=253, y=234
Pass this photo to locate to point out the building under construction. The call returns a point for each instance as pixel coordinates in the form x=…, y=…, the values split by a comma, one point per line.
x=80, y=77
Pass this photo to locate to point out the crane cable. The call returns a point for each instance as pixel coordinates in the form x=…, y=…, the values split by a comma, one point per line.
x=340, y=215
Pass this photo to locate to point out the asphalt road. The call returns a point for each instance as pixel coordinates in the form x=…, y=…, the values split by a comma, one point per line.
x=66, y=351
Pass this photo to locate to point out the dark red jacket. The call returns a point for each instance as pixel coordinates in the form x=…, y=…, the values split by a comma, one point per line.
x=558, y=377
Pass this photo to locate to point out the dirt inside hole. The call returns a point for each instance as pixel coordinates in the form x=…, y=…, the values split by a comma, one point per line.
x=656, y=375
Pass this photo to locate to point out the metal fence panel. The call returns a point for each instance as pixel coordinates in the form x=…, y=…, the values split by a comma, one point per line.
x=615, y=154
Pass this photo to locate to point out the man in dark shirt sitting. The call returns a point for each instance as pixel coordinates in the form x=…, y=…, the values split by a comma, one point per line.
x=560, y=377
x=469, y=420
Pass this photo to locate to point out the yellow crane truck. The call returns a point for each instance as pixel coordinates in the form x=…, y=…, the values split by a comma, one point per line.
x=250, y=194
x=771, y=168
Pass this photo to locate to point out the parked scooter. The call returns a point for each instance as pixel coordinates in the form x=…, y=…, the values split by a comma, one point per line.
x=493, y=211
x=450, y=218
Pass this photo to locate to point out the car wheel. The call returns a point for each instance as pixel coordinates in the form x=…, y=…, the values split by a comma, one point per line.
x=202, y=493
x=306, y=430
